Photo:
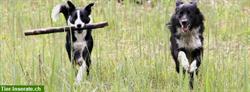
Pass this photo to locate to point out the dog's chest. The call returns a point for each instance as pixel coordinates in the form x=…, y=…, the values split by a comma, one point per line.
x=189, y=40
x=80, y=42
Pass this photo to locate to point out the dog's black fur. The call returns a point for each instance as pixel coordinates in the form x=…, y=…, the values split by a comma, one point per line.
x=79, y=43
x=184, y=22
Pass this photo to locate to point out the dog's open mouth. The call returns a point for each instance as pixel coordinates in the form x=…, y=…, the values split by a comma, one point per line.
x=185, y=25
x=185, y=28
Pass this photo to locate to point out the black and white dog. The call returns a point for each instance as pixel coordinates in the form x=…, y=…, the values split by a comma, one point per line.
x=79, y=43
x=186, y=26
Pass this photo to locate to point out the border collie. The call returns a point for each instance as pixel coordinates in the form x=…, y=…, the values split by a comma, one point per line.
x=186, y=26
x=79, y=43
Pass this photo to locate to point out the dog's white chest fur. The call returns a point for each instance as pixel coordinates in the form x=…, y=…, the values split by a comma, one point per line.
x=189, y=39
x=80, y=40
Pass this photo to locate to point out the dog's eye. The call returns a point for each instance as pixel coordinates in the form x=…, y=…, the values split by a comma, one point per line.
x=84, y=18
x=71, y=20
x=188, y=12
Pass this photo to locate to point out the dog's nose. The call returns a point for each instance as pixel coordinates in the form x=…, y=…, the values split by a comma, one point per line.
x=78, y=25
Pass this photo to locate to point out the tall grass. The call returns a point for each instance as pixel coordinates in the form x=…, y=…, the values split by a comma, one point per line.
x=132, y=54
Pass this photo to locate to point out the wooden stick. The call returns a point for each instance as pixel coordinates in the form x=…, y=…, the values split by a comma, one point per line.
x=64, y=29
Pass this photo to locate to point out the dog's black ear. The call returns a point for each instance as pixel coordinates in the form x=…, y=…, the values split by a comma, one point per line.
x=88, y=7
x=178, y=2
x=71, y=6
x=194, y=2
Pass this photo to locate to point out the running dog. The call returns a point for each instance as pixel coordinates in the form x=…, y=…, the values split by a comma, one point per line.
x=187, y=27
x=79, y=43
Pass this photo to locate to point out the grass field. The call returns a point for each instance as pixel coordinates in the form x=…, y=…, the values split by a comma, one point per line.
x=131, y=54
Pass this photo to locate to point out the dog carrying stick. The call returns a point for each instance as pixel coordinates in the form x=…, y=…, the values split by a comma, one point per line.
x=64, y=29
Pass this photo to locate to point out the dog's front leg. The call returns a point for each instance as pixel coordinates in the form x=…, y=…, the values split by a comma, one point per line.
x=192, y=69
x=197, y=60
x=182, y=58
x=193, y=66
x=81, y=71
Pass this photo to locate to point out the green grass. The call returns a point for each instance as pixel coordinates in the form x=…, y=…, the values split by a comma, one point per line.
x=131, y=54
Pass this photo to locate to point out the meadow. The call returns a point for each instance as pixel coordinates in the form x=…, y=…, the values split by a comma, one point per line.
x=130, y=55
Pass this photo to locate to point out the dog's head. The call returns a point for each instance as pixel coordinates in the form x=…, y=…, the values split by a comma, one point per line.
x=188, y=15
x=74, y=17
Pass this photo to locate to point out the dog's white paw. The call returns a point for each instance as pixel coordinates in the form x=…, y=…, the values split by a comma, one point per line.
x=80, y=73
x=183, y=59
x=78, y=78
x=193, y=66
x=77, y=82
x=185, y=64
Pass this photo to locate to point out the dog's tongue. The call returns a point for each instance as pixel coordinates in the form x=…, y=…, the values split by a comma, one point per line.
x=184, y=28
